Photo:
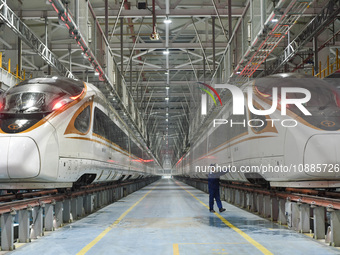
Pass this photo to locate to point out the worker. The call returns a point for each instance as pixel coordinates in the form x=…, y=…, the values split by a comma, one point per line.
x=214, y=188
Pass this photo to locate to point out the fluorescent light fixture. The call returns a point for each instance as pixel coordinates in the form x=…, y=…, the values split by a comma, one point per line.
x=167, y=114
x=275, y=20
x=166, y=73
x=167, y=87
x=96, y=73
x=166, y=52
x=166, y=99
x=238, y=72
x=167, y=119
x=167, y=21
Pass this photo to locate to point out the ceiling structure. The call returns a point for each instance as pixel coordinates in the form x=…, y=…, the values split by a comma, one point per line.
x=149, y=57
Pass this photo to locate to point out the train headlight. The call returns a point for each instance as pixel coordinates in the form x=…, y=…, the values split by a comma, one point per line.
x=60, y=104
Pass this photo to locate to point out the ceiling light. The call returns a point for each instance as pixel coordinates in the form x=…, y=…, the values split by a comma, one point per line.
x=167, y=87
x=96, y=73
x=275, y=20
x=167, y=114
x=166, y=73
x=167, y=119
x=167, y=21
x=166, y=52
x=238, y=72
x=166, y=99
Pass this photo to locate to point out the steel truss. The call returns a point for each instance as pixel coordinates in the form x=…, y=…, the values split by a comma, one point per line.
x=315, y=27
x=291, y=14
x=32, y=40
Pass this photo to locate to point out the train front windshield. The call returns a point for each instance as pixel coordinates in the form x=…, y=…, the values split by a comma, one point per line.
x=322, y=94
x=30, y=101
x=324, y=104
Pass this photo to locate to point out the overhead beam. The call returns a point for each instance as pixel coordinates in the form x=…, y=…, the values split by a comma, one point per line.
x=146, y=46
x=237, y=12
x=145, y=13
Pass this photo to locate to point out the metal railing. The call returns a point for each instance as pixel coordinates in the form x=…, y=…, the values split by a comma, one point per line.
x=330, y=68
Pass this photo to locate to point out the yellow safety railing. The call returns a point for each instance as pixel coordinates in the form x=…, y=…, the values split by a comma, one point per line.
x=20, y=75
x=330, y=68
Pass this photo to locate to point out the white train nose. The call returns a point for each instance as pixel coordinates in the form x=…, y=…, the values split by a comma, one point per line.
x=322, y=156
x=19, y=157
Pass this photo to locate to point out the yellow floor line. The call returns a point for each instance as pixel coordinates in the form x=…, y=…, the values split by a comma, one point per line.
x=175, y=248
x=237, y=230
x=102, y=234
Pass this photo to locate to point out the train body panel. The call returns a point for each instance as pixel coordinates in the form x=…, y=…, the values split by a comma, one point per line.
x=292, y=150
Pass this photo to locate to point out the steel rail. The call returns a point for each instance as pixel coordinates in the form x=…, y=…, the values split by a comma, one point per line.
x=12, y=206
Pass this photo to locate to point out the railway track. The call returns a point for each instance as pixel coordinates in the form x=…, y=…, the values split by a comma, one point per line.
x=312, y=211
x=317, y=197
x=18, y=201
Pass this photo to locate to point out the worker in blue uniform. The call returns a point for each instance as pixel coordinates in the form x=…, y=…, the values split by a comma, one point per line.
x=214, y=189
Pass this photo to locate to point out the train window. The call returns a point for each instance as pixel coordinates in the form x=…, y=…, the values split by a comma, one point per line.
x=106, y=128
x=135, y=150
x=258, y=123
x=82, y=122
x=238, y=125
x=98, y=123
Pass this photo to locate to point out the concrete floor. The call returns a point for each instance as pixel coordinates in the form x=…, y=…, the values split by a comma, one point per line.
x=170, y=218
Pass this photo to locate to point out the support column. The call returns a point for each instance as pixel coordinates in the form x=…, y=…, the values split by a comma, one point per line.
x=88, y=205
x=266, y=207
x=24, y=226
x=253, y=202
x=316, y=55
x=213, y=43
x=260, y=204
x=249, y=201
x=319, y=222
x=295, y=216
x=76, y=12
x=304, y=215
x=49, y=217
x=70, y=58
x=282, y=215
x=58, y=214
x=244, y=195
x=233, y=196
x=256, y=209
x=19, y=56
x=237, y=197
x=230, y=25
x=335, y=228
x=80, y=206
x=74, y=208
x=7, y=233
x=37, y=229
x=274, y=209
x=66, y=211
x=121, y=48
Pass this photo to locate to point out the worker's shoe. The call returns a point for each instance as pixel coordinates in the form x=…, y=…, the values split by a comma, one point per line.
x=212, y=211
x=222, y=209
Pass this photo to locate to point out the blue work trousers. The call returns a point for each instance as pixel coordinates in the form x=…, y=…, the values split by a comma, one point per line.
x=214, y=193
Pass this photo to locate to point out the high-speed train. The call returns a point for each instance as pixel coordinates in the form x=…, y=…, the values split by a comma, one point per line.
x=283, y=150
x=56, y=132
